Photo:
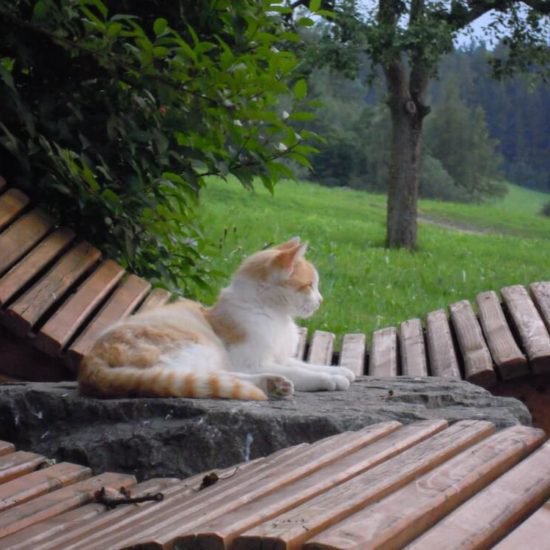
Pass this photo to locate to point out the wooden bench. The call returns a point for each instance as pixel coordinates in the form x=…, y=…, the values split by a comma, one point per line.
x=424, y=486
x=57, y=293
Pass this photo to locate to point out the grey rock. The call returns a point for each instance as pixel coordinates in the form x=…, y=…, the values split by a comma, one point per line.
x=180, y=437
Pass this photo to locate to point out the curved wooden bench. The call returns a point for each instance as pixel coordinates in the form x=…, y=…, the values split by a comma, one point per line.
x=57, y=293
x=424, y=485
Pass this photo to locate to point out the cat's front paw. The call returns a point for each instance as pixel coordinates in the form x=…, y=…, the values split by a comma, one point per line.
x=341, y=382
x=346, y=373
x=279, y=387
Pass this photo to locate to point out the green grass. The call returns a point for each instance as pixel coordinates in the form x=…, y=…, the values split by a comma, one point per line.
x=366, y=286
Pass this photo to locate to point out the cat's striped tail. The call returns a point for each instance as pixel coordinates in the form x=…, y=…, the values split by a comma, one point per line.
x=98, y=379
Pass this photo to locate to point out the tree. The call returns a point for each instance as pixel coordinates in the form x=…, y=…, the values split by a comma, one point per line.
x=115, y=113
x=407, y=38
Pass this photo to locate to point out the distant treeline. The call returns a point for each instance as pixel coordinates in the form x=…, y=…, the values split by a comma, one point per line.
x=479, y=131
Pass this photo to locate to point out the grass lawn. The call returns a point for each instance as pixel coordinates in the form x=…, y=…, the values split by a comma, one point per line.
x=366, y=286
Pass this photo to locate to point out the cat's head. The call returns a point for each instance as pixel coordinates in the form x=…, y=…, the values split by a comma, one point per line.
x=283, y=279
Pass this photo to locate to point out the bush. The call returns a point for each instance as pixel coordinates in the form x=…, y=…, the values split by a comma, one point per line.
x=116, y=120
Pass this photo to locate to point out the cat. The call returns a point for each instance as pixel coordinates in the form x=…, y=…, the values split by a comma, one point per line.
x=241, y=348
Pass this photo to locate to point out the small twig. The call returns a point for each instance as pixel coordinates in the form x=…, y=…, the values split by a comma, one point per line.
x=111, y=502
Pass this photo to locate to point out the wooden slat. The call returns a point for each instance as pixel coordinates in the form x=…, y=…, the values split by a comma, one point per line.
x=530, y=327
x=532, y=534
x=299, y=524
x=123, y=301
x=34, y=263
x=174, y=516
x=221, y=532
x=6, y=448
x=37, y=483
x=63, y=324
x=413, y=350
x=320, y=349
x=56, y=502
x=70, y=528
x=507, y=356
x=399, y=518
x=21, y=236
x=493, y=513
x=541, y=296
x=157, y=297
x=23, y=314
x=17, y=464
x=352, y=355
x=12, y=203
x=301, y=346
x=478, y=364
x=383, y=355
x=441, y=350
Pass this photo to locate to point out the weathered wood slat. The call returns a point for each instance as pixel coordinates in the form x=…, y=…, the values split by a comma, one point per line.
x=52, y=504
x=383, y=355
x=21, y=236
x=398, y=519
x=413, y=350
x=23, y=314
x=301, y=523
x=492, y=513
x=509, y=359
x=12, y=203
x=123, y=302
x=441, y=350
x=34, y=263
x=159, y=527
x=220, y=532
x=301, y=346
x=156, y=298
x=530, y=327
x=6, y=448
x=320, y=349
x=63, y=324
x=352, y=355
x=541, y=296
x=37, y=483
x=68, y=529
x=478, y=364
x=531, y=534
x=17, y=464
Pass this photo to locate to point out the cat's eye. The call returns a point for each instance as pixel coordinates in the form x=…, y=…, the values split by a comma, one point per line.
x=308, y=286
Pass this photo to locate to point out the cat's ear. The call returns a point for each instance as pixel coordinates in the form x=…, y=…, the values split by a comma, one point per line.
x=286, y=259
x=288, y=244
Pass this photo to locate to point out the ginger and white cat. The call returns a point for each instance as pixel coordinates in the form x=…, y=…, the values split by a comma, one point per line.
x=241, y=348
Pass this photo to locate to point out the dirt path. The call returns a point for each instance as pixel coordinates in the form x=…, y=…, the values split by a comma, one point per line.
x=454, y=225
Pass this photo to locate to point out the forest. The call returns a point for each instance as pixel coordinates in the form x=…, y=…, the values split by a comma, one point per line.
x=480, y=132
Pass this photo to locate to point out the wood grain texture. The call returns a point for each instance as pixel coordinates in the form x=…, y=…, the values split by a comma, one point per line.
x=293, y=528
x=530, y=327
x=510, y=361
x=383, y=355
x=6, y=448
x=302, y=341
x=352, y=354
x=441, y=350
x=18, y=463
x=220, y=532
x=157, y=297
x=56, y=502
x=121, y=304
x=399, y=518
x=532, y=534
x=37, y=261
x=37, y=483
x=320, y=348
x=494, y=512
x=412, y=348
x=12, y=203
x=541, y=296
x=22, y=236
x=23, y=314
x=174, y=517
x=63, y=324
x=478, y=364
